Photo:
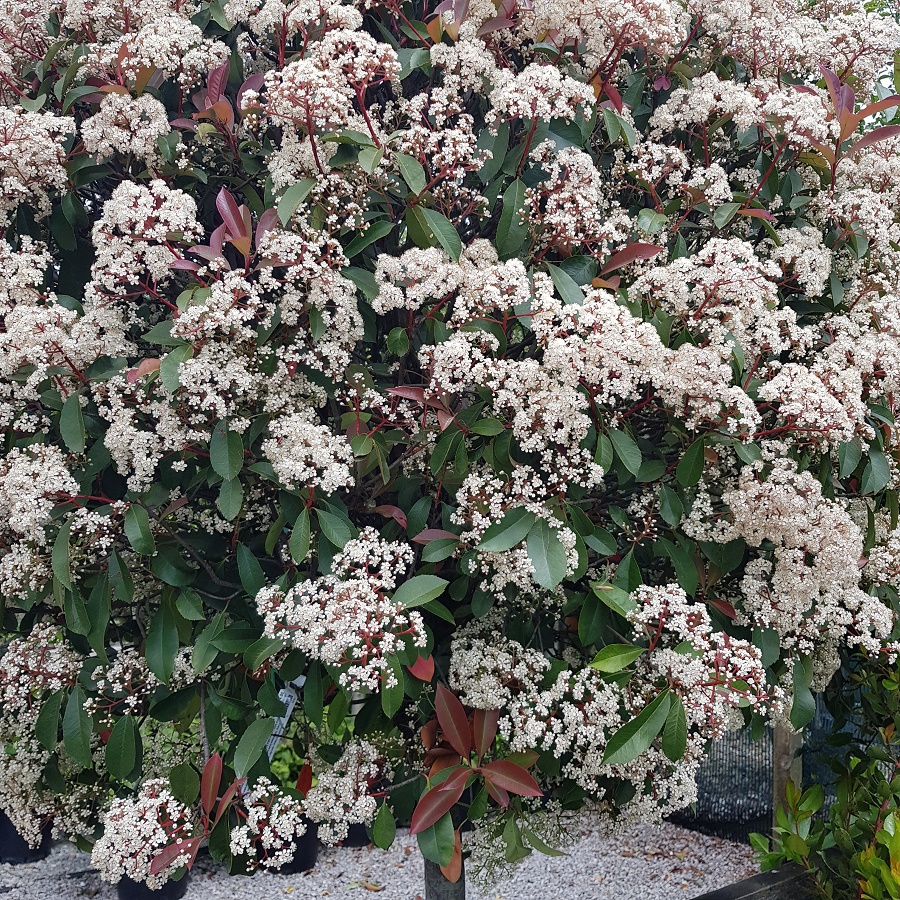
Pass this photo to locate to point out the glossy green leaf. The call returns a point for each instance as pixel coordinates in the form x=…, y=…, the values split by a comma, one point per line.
x=293, y=197
x=508, y=532
x=77, y=729
x=636, y=736
x=71, y=424
x=512, y=229
x=298, y=545
x=674, y=741
x=384, y=828
x=419, y=589
x=437, y=841
x=547, y=554
x=137, y=530
x=122, y=749
x=226, y=451
x=615, y=657
x=626, y=450
x=162, y=642
x=690, y=467
x=251, y=745
x=446, y=235
x=412, y=172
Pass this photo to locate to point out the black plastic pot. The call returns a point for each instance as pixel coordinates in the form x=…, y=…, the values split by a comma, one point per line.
x=14, y=848
x=357, y=836
x=306, y=854
x=137, y=890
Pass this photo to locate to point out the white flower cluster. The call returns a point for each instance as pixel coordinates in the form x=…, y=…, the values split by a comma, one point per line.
x=346, y=619
x=30, y=670
x=272, y=822
x=342, y=795
x=136, y=830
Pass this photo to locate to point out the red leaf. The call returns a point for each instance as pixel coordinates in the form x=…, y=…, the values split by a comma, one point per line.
x=433, y=534
x=629, y=255
x=499, y=795
x=253, y=83
x=758, y=214
x=185, y=265
x=267, y=221
x=614, y=95
x=484, y=728
x=392, y=512
x=190, y=124
x=445, y=418
x=433, y=805
x=507, y=775
x=145, y=367
x=873, y=137
x=495, y=24
x=453, y=870
x=460, y=776
x=422, y=668
x=170, y=853
x=723, y=606
x=304, y=779
x=228, y=796
x=453, y=721
x=218, y=80
x=408, y=392
x=231, y=214
x=209, y=783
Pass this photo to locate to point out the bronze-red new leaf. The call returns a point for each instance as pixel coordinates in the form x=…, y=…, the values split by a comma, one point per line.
x=484, y=728
x=209, y=783
x=433, y=805
x=453, y=720
x=511, y=777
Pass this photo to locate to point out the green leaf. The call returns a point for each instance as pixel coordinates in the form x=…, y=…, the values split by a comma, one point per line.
x=437, y=841
x=137, y=530
x=651, y=221
x=190, y=606
x=615, y=657
x=690, y=466
x=511, y=230
x=392, y=697
x=670, y=506
x=725, y=213
x=77, y=729
x=565, y=285
x=230, y=499
x=384, y=828
x=636, y=736
x=334, y=528
x=849, y=455
x=122, y=749
x=674, y=741
x=293, y=197
x=169, y=371
x=226, y=451
x=615, y=598
x=375, y=232
x=259, y=651
x=510, y=531
x=547, y=554
x=205, y=651
x=250, y=571
x=590, y=621
x=447, y=236
x=803, y=709
x=298, y=545
x=251, y=745
x=162, y=642
x=71, y=424
x=412, y=172
x=314, y=694
x=626, y=449
x=876, y=474
x=60, y=557
x=46, y=727
x=369, y=159
x=185, y=783
x=419, y=589
x=398, y=344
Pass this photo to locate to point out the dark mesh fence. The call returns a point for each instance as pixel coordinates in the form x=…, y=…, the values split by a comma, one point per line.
x=735, y=781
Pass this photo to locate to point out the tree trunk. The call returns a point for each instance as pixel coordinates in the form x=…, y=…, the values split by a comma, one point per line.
x=438, y=888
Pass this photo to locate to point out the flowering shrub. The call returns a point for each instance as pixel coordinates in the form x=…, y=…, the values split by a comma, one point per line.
x=512, y=381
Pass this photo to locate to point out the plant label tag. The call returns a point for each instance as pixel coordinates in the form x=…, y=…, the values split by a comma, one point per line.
x=288, y=696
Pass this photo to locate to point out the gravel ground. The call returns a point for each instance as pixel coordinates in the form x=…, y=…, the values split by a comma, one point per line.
x=644, y=864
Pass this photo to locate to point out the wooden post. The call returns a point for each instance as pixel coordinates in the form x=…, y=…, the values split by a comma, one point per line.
x=786, y=764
